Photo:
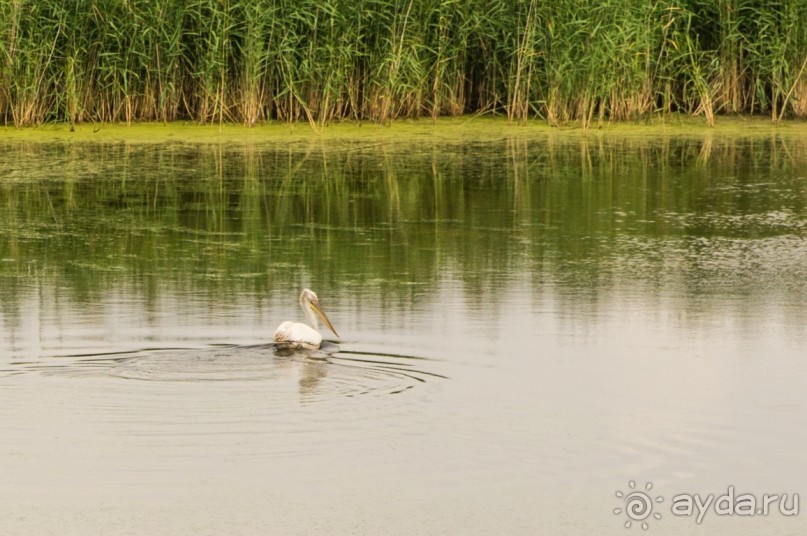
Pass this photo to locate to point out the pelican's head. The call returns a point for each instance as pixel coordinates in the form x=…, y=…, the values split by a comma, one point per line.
x=310, y=304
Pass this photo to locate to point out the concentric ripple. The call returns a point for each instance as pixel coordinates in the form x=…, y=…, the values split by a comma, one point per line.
x=322, y=374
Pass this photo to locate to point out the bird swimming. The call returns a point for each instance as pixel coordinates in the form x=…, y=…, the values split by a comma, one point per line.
x=296, y=335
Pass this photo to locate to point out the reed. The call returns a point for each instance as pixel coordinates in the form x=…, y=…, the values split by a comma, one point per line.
x=319, y=61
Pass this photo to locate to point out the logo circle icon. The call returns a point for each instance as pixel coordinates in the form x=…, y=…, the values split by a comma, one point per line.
x=638, y=505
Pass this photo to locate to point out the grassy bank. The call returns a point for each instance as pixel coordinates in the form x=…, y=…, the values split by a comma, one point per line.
x=249, y=61
x=405, y=133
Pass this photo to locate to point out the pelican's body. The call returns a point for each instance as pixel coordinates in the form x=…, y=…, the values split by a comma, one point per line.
x=298, y=335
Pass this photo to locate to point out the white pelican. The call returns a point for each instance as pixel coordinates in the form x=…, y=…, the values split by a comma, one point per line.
x=298, y=335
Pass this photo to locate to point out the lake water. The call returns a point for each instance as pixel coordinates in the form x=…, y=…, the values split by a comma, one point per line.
x=527, y=326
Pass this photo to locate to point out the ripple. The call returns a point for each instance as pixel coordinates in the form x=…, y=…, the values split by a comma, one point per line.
x=319, y=375
x=771, y=223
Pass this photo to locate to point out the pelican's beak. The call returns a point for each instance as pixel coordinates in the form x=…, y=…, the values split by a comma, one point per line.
x=322, y=316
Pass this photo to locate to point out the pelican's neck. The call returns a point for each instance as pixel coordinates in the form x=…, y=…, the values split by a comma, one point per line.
x=309, y=313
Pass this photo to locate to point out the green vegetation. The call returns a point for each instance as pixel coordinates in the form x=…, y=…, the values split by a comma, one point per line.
x=250, y=61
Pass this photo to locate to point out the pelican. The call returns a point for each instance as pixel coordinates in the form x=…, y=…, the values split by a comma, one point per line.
x=298, y=335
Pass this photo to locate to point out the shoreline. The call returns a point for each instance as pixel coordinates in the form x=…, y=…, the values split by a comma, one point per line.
x=469, y=128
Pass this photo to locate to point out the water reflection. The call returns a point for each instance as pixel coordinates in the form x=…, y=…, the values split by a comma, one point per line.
x=222, y=221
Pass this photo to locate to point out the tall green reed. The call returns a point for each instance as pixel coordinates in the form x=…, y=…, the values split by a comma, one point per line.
x=583, y=61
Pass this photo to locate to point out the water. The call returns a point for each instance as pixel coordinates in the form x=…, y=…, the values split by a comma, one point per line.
x=527, y=326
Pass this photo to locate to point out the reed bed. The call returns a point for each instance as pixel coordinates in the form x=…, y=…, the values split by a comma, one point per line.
x=251, y=61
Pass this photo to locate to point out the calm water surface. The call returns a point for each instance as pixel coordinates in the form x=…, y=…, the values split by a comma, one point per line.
x=527, y=326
